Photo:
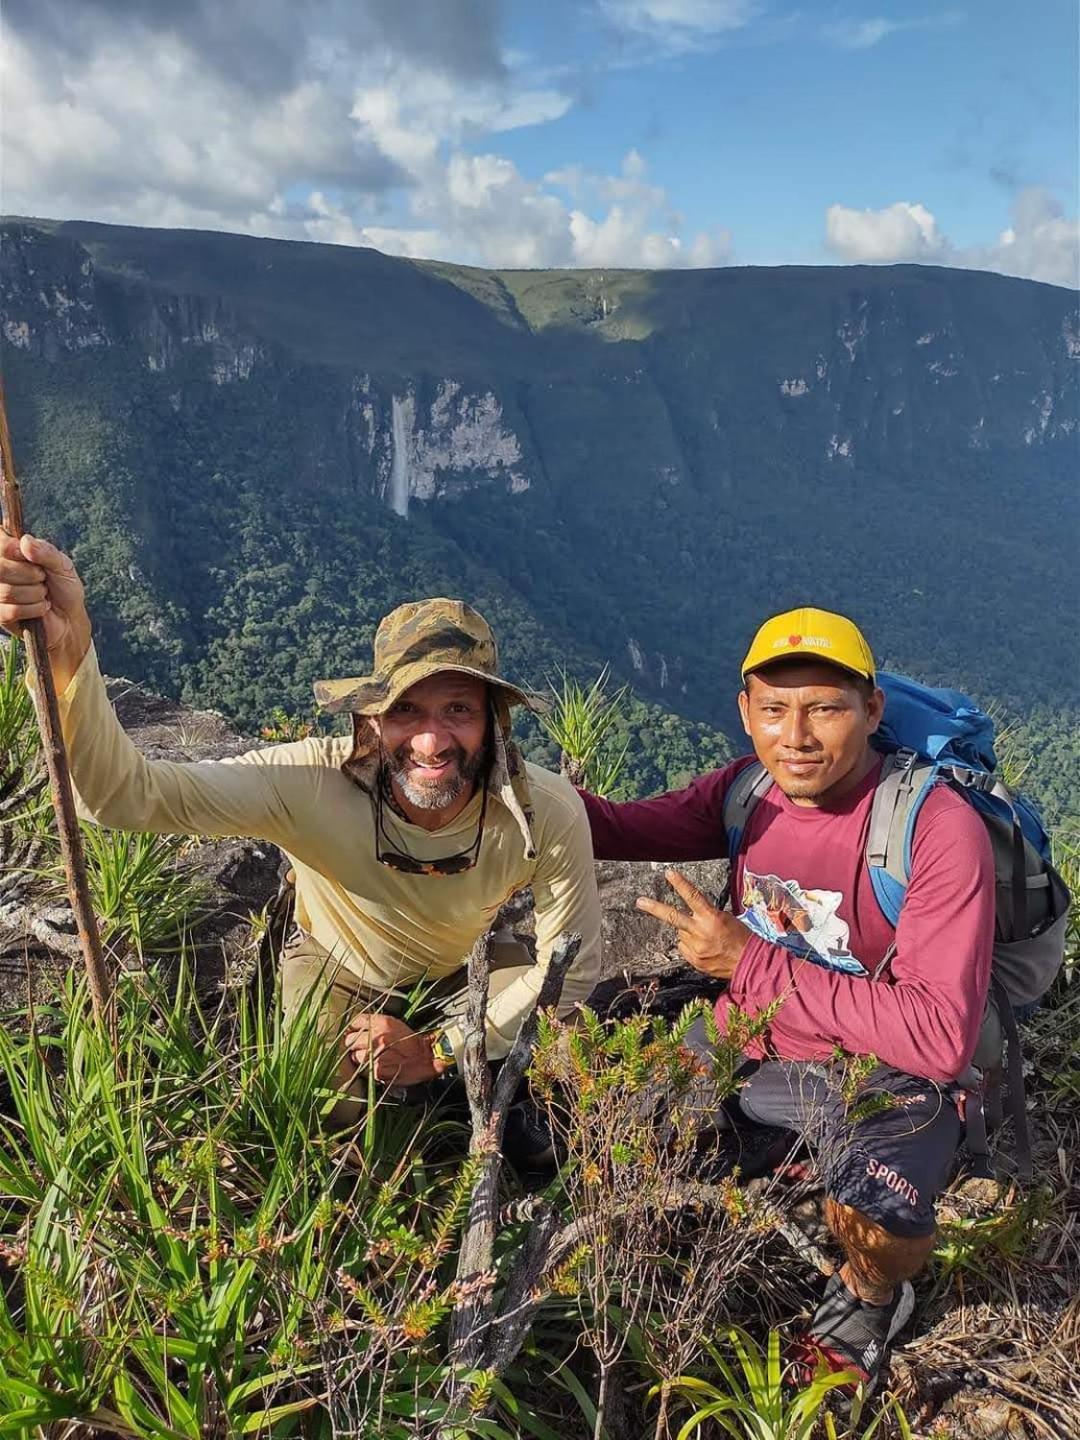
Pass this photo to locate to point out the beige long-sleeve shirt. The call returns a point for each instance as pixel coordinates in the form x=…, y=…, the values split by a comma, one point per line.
x=387, y=928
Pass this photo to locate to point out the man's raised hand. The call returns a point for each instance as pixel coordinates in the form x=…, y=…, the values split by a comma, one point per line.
x=38, y=581
x=710, y=939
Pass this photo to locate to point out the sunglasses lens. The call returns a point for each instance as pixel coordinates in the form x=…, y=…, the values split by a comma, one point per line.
x=403, y=863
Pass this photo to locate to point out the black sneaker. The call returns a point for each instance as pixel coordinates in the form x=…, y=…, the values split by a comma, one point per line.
x=848, y=1334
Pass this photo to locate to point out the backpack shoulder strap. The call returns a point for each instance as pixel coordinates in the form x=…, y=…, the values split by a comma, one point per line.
x=740, y=802
x=903, y=786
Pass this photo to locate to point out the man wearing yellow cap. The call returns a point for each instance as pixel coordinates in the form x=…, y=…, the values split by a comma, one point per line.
x=807, y=936
x=405, y=837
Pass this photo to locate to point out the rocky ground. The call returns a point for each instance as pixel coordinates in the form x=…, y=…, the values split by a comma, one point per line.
x=995, y=1351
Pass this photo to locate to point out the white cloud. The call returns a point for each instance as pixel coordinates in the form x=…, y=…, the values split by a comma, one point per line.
x=707, y=17
x=332, y=225
x=620, y=239
x=486, y=212
x=1040, y=244
x=141, y=132
x=865, y=34
x=341, y=142
x=899, y=232
x=860, y=34
x=659, y=29
x=631, y=223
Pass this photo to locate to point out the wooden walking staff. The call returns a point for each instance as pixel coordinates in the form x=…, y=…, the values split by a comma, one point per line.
x=52, y=739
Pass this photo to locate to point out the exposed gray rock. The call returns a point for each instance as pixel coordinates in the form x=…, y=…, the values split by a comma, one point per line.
x=167, y=730
x=635, y=943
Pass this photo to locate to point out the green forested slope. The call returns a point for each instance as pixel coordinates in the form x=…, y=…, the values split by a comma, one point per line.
x=629, y=467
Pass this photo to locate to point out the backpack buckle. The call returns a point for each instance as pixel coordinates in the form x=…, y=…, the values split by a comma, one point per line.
x=970, y=779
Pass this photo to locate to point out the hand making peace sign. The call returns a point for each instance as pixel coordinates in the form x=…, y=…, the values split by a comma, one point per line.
x=710, y=940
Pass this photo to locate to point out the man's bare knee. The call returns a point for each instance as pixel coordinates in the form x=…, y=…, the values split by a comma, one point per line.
x=876, y=1261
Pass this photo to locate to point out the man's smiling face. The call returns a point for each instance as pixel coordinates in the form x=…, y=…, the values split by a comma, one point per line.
x=436, y=740
x=811, y=725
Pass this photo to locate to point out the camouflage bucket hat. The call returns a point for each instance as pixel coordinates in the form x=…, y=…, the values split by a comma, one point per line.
x=421, y=639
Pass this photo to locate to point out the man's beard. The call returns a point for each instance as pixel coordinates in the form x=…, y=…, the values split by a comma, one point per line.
x=802, y=789
x=439, y=794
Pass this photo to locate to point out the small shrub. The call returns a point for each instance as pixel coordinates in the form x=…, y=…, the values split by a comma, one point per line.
x=625, y=1099
x=282, y=726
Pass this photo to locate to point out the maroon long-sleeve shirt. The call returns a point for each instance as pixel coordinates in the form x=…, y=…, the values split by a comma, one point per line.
x=802, y=886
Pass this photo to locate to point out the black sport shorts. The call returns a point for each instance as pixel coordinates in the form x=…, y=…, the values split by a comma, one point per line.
x=887, y=1153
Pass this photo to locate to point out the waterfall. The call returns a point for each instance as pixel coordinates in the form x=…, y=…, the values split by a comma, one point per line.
x=401, y=415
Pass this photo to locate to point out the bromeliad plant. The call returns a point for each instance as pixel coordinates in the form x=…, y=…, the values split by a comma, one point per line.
x=756, y=1399
x=186, y=1252
x=145, y=897
x=582, y=723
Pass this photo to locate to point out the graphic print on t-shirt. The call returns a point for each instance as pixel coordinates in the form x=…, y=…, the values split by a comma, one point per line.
x=802, y=921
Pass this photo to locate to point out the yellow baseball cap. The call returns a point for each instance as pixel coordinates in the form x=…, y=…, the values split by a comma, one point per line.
x=811, y=635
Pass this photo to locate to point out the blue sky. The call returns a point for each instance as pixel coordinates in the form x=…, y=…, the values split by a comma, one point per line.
x=768, y=125
x=498, y=132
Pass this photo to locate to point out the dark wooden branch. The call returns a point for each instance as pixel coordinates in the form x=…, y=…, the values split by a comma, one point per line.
x=470, y=1325
x=475, y=1069
x=56, y=763
x=469, y=1321
x=547, y=1243
x=563, y=954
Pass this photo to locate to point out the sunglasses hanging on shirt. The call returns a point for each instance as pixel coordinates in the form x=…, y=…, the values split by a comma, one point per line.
x=400, y=860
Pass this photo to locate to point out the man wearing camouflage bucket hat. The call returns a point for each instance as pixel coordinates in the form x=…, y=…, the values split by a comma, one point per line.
x=431, y=743
x=404, y=838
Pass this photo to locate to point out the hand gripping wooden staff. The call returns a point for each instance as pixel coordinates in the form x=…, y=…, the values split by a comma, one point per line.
x=56, y=762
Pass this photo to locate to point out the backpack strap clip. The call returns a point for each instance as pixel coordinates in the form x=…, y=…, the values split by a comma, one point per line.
x=969, y=779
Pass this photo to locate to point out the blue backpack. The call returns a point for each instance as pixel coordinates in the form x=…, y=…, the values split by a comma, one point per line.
x=931, y=737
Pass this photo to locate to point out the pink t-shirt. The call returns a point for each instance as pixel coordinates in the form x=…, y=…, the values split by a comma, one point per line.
x=802, y=886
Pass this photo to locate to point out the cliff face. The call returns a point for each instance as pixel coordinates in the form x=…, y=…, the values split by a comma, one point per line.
x=274, y=441
x=410, y=438
x=842, y=363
